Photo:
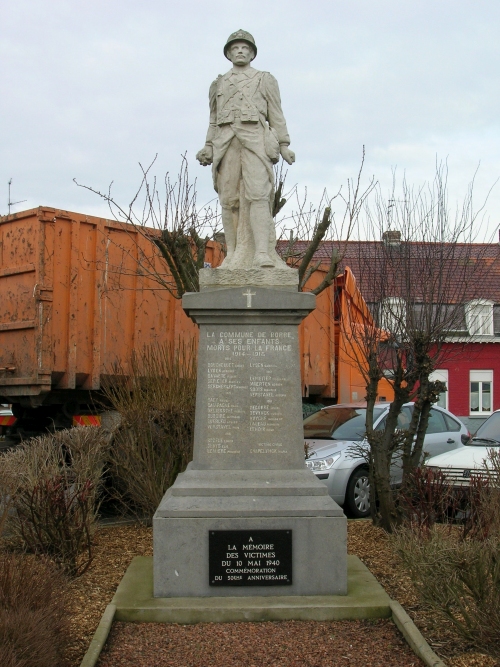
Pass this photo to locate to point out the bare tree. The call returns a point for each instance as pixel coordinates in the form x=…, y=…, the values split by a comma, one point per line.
x=309, y=226
x=181, y=232
x=416, y=280
x=173, y=223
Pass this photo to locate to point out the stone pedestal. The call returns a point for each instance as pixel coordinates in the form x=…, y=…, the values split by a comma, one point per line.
x=248, y=473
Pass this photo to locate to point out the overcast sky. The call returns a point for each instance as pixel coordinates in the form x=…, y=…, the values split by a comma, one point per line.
x=88, y=89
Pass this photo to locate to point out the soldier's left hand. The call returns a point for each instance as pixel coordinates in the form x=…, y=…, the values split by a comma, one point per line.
x=287, y=154
x=205, y=156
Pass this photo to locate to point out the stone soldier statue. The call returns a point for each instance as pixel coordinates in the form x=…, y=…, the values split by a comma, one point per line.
x=246, y=136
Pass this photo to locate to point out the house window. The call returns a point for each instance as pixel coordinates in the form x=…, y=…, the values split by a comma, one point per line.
x=393, y=315
x=479, y=317
x=481, y=392
x=441, y=375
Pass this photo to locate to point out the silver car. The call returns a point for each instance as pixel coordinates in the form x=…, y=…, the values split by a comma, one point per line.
x=334, y=436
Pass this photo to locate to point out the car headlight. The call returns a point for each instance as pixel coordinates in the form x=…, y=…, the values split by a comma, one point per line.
x=323, y=464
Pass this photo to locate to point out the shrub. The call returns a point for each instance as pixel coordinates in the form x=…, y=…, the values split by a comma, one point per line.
x=33, y=614
x=458, y=579
x=53, y=482
x=426, y=498
x=8, y=489
x=456, y=568
x=55, y=518
x=475, y=505
x=490, y=496
x=154, y=441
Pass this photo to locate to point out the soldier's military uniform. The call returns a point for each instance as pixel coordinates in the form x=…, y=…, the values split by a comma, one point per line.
x=247, y=128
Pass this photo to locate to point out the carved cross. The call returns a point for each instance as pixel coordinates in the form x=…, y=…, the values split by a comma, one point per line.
x=249, y=296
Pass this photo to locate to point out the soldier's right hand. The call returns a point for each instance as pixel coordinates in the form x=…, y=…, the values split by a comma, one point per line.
x=205, y=156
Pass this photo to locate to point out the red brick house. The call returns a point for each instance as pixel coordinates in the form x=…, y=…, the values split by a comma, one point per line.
x=470, y=363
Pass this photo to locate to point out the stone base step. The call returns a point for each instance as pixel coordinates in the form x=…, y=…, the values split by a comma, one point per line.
x=135, y=602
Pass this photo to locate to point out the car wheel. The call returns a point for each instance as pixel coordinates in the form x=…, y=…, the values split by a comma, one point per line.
x=358, y=493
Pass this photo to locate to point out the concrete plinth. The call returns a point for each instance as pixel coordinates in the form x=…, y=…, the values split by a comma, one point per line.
x=282, y=278
x=135, y=602
x=203, y=501
x=248, y=472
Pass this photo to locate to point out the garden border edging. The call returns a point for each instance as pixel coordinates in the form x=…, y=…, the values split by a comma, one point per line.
x=100, y=636
x=413, y=636
x=401, y=619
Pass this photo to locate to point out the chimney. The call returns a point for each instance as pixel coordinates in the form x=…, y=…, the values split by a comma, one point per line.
x=391, y=238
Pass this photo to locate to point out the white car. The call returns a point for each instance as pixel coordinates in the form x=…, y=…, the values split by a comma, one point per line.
x=459, y=465
x=332, y=436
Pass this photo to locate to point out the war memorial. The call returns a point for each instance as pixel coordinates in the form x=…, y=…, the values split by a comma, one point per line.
x=247, y=532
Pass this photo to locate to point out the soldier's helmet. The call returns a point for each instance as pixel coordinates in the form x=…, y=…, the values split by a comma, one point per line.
x=240, y=36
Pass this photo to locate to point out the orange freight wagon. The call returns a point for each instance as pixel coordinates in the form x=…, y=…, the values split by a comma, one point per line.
x=76, y=300
x=74, y=304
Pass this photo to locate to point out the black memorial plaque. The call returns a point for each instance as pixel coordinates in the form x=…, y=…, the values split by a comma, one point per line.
x=250, y=557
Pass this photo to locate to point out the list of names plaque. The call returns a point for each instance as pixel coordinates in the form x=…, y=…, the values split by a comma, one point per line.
x=247, y=389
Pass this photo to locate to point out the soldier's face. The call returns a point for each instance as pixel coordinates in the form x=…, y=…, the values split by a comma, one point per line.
x=240, y=53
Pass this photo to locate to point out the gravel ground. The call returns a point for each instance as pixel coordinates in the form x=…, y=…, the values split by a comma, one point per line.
x=311, y=644
x=281, y=644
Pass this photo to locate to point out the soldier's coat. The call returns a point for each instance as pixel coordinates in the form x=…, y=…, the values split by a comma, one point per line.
x=246, y=105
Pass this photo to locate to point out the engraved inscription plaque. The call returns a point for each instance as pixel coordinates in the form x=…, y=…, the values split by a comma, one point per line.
x=248, y=398
x=250, y=558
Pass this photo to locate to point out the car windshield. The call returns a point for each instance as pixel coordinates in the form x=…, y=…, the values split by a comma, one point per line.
x=489, y=432
x=338, y=423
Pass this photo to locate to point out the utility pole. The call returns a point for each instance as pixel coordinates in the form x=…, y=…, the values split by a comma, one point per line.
x=13, y=203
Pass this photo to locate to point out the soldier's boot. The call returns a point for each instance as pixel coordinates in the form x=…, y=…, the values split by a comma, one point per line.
x=229, y=223
x=260, y=219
